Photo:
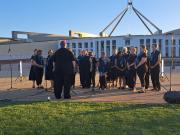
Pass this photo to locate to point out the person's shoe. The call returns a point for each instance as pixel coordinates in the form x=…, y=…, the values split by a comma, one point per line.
x=67, y=97
x=123, y=88
x=134, y=90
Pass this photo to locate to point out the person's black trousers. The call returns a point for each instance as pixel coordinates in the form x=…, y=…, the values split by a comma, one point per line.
x=39, y=75
x=131, y=79
x=102, y=81
x=62, y=81
x=147, y=80
x=73, y=80
x=155, y=78
x=141, y=74
x=93, y=79
x=82, y=78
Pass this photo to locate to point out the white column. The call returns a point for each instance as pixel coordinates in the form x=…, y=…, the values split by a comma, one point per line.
x=99, y=47
x=105, y=45
x=77, y=47
x=110, y=48
x=163, y=48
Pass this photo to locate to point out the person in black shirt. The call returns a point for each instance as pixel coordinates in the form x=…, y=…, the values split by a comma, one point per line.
x=155, y=61
x=126, y=55
x=64, y=69
x=93, y=68
x=148, y=72
x=141, y=66
x=113, y=69
x=49, y=75
x=121, y=66
x=131, y=80
x=39, y=69
x=82, y=70
x=32, y=74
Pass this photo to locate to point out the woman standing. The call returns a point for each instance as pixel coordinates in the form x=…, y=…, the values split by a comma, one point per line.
x=49, y=69
x=39, y=68
x=121, y=66
x=141, y=67
x=131, y=80
x=103, y=67
x=32, y=74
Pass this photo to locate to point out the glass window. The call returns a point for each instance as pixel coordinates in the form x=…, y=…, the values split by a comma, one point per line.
x=127, y=42
x=167, y=51
x=167, y=42
x=102, y=46
x=174, y=42
x=114, y=42
x=86, y=45
x=73, y=45
x=68, y=45
x=154, y=41
x=148, y=42
x=92, y=45
x=108, y=42
x=108, y=51
x=141, y=41
x=97, y=49
x=160, y=44
x=174, y=51
x=79, y=45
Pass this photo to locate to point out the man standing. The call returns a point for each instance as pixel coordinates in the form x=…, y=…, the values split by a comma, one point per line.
x=64, y=69
x=155, y=62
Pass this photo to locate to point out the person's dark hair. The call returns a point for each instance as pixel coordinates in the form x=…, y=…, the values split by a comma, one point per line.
x=155, y=45
x=35, y=50
x=63, y=44
x=143, y=46
x=39, y=52
x=119, y=53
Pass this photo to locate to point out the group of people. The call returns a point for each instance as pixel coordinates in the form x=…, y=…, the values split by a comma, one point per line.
x=124, y=66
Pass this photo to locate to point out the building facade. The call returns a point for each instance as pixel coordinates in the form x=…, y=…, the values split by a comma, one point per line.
x=168, y=44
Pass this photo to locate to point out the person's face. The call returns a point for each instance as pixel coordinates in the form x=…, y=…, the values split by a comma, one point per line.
x=103, y=55
x=141, y=49
x=125, y=50
x=153, y=48
x=51, y=53
x=35, y=52
x=132, y=50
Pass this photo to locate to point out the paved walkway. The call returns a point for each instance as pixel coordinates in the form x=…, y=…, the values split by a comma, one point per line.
x=22, y=92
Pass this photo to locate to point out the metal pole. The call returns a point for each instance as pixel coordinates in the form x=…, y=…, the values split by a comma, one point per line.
x=118, y=22
x=113, y=20
x=147, y=19
x=142, y=21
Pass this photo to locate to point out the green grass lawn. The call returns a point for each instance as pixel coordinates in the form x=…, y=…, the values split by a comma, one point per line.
x=66, y=118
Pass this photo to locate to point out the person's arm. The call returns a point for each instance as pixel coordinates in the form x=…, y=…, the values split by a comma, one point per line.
x=143, y=60
x=158, y=62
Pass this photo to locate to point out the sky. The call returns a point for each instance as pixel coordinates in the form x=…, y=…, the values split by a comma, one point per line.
x=92, y=16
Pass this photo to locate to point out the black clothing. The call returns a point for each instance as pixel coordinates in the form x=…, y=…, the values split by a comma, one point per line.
x=113, y=70
x=93, y=67
x=49, y=75
x=84, y=67
x=142, y=70
x=64, y=70
x=32, y=73
x=131, y=74
x=155, y=71
x=121, y=64
x=39, y=70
